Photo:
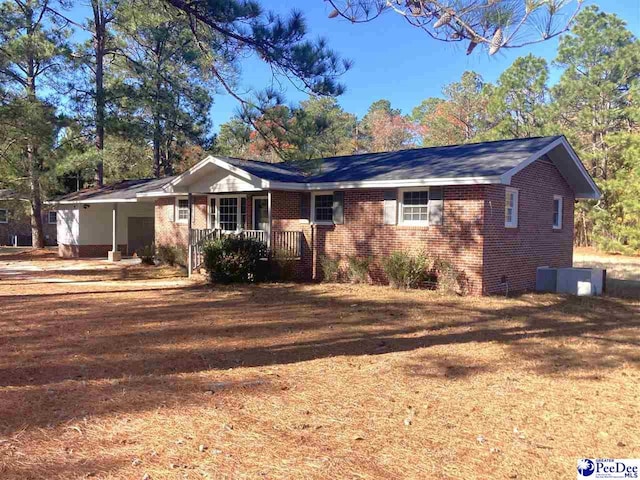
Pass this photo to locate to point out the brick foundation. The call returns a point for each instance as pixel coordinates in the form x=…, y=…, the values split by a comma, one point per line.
x=76, y=251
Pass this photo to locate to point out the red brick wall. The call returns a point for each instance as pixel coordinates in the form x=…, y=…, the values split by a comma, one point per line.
x=73, y=251
x=169, y=232
x=364, y=233
x=516, y=252
x=285, y=216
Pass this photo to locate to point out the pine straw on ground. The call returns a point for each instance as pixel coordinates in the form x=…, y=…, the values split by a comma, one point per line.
x=124, y=378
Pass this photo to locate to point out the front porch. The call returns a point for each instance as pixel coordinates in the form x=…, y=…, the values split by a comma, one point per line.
x=216, y=199
x=279, y=244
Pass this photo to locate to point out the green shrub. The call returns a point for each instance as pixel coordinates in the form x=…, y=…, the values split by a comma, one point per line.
x=232, y=259
x=405, y=270
x=282, y=269
x=172, y=255
x=358, y=269
x=147, y=254
x=330, y=268
x=167, y=254
x=449, y=279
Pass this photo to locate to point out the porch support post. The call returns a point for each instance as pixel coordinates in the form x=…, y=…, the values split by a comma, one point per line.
x=114, y=254
x=269, y=201
x=190, y=247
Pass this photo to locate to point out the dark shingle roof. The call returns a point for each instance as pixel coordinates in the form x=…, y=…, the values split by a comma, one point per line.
x=278, y=172
x=470, y=160
x=486, y=159
x=124, y=190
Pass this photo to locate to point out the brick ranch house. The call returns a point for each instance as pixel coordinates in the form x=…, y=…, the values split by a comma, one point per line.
x=496, y=210
x=15, y=220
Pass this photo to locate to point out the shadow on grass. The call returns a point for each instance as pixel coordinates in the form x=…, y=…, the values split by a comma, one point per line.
x=64, y=356
x=623, y=288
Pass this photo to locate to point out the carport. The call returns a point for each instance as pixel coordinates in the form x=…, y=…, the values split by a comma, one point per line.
x=109, y=221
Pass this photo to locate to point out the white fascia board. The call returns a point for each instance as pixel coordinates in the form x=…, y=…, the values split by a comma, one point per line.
x=82, y=202
x=419, y=182
x=596, y=194
x=222, y=164
x=159, y=193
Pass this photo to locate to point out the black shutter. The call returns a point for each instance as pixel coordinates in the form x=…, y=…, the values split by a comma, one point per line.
x=436, y=205
x=338, y=208
x=390, y=207
x=305, y=206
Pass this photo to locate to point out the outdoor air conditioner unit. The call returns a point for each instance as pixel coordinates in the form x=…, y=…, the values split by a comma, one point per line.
x=576, y=281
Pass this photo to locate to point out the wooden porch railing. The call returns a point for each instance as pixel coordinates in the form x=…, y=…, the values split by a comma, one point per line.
x=287, y=244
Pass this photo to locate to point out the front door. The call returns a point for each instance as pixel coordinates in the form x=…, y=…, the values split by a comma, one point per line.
x=260, y=214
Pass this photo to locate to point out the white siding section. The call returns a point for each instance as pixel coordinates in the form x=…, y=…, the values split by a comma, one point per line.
x=68, y=226
x=92, y=225
x=221, y=181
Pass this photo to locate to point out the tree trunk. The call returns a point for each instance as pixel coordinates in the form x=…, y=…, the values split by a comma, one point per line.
x=37, y=235
x=157, y=127
x=99, y=48
x=157, y=138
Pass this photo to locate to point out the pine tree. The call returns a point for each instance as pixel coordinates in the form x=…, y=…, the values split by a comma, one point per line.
x=594, y=100
x=33, y=51
x=164, y=76
x=517, y=104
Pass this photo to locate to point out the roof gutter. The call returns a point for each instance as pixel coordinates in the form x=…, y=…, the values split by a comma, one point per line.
x=89, y=201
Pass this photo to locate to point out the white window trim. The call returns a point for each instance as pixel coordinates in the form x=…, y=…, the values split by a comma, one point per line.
x=253, y=208
x=560, y=213
x=516, y=206
x=400, y=212
x=313, y=208
x=216, y=199
x=176, y=217
x=6, y=215
x=49, y=217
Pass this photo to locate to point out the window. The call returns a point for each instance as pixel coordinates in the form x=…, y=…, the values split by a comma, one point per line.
x=52, y=218
x=557, y=212
x=182, y=210
x=228, y=213
x=415, y=207
x=511, y=208
x=4, y=215
x=228, y=208
x=323, y=208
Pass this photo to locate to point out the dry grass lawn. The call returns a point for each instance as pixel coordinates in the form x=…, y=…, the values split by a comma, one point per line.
x=167, y=378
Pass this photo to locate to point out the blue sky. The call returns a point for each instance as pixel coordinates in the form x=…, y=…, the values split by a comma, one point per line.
x=394, y=60
x=391, y=59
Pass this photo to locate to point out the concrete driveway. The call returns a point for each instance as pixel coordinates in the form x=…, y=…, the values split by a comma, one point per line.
x=44, y=266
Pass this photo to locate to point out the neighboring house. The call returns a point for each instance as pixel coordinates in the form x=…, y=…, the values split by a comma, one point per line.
x=15, y=220
x=496, y=210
